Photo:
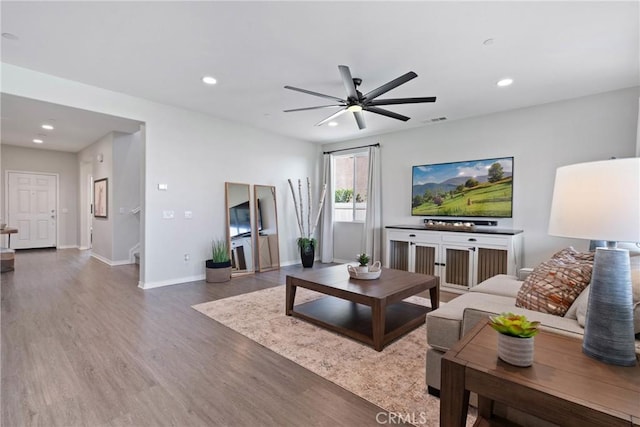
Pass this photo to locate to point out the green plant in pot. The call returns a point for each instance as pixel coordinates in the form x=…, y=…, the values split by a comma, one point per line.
x=306, y=242
x=218, y=268
x=515, y=338
x=363, y=259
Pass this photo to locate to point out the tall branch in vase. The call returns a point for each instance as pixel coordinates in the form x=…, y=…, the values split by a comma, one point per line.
x=306, y=233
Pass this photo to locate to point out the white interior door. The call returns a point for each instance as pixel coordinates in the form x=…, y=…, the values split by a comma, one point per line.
x=32, y=209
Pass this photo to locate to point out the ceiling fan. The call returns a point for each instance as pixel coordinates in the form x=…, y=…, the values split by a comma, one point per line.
x=356, y=102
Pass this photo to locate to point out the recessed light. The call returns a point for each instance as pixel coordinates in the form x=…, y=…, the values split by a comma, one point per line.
x=9, y=36
x=209, y=80
x=333, y=124
x=47, y=126
x=38, y=141
x=505, y=82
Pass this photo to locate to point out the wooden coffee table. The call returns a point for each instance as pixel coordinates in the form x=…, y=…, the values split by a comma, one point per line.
x=370, y=311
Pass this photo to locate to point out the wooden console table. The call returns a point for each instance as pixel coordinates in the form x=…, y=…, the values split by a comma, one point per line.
x=563, y=386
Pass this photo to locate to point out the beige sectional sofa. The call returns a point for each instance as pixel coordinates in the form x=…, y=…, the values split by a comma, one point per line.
x=450, y=322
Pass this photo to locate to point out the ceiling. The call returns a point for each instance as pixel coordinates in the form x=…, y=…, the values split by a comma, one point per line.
x=160, y=51
x=74, y=129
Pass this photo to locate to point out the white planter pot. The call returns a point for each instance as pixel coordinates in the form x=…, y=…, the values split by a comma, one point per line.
x=515, y=351
x=218, y=275
x=362, y=269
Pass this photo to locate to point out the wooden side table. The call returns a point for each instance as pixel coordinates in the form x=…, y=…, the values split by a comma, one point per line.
x=563, y=386
x=8, y=231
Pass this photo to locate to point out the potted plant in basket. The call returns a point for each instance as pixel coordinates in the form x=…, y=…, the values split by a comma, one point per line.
x=306, y=242
x=363, y=259
x=515, y=338
x=219, y=266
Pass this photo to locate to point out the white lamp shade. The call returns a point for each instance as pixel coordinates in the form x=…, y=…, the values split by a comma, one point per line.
x=597, y=201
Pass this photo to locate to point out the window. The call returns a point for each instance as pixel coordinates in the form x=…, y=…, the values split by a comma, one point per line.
x=350, y=178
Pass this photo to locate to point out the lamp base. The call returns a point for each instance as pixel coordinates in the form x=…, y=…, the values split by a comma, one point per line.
x=608, y=330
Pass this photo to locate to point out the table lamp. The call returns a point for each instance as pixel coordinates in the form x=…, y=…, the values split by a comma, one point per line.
x=601, y=201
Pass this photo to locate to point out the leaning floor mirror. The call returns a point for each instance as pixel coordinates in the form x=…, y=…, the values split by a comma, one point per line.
x=266, y=227
x=239, y=227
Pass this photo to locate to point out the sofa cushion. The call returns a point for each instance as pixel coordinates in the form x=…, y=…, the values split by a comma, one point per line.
x=554, y=285
x=502, y=284
x=444, y=325
x=549, y=322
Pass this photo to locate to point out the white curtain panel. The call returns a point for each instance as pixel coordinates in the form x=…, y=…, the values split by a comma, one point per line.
x=372, y=236
x=326, y=242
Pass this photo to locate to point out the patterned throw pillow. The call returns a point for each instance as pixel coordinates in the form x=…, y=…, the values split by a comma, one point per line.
x=555, y=284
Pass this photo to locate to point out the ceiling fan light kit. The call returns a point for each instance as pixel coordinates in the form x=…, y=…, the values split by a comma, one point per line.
x=356, y=102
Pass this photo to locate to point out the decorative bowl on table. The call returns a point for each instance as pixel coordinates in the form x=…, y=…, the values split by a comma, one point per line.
x=373, y=271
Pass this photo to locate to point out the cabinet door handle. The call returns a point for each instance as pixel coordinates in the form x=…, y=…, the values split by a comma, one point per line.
x=472, y=249
x=472, y=239
x=412, y=235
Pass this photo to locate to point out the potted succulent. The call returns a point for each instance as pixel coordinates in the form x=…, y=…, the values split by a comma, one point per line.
x=515, y=338
x=218, y=268
x=363, y=259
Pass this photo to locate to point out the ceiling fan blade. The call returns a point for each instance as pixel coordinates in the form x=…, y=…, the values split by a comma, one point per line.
x=347, y=80
x=359, y=119
x=386, y=113
x=401, y=101
x=331, y=117
x=391, y=85
x=315, y=94
x=313, y=108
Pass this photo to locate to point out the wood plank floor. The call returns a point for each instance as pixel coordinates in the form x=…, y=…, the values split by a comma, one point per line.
x=83, y=345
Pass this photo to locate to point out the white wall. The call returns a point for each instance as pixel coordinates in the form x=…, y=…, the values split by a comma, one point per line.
x=126, y=194
x=194, y=154
x=348, y=241
x=102, y=228
x=65, y=165
x=540, y=138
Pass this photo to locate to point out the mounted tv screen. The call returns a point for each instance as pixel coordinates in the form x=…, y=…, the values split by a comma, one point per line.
x=476, y=188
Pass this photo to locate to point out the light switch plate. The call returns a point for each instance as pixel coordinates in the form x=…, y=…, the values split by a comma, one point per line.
x=168, y=214
x=188, y=214
x=163, y=187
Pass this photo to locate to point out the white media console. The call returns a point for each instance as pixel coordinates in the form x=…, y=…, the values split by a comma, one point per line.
x=461, y=259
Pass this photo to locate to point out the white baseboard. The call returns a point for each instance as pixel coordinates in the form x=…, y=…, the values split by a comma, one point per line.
x=68, y=247
x=109, y=262
x=177, y=281
x=83, y=248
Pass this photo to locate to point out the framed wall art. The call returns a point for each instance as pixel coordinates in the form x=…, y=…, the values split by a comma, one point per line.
x=100, y=199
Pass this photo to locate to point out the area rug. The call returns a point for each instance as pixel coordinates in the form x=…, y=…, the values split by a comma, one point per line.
x=393, y=379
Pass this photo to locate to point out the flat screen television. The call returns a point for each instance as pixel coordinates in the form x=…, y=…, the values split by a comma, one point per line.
x=240, y=219
x=475, y=188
